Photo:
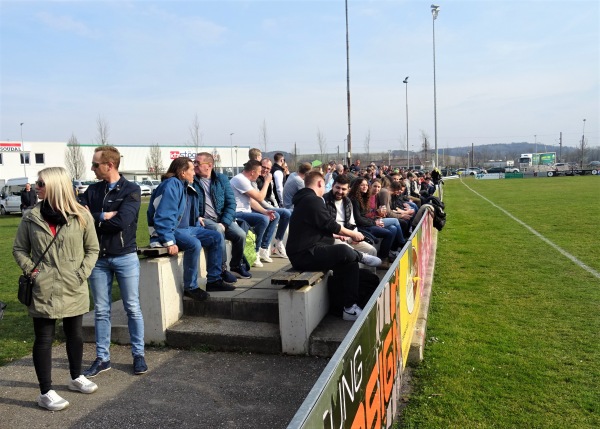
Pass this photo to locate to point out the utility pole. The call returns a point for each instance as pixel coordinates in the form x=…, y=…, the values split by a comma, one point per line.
x=349, y=154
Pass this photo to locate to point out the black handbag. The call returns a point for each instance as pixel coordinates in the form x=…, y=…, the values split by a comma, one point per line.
x=26, y=282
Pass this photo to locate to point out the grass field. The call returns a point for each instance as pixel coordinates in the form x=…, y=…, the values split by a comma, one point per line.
x=16, y=330
x=513, y=336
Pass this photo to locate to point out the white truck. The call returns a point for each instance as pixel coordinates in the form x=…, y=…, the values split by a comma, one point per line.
x=10, y=194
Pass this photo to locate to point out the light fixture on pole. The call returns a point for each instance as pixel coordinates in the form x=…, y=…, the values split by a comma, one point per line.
x=231, y=149
x=405, y=81
x=434, y=12
x=23, y=151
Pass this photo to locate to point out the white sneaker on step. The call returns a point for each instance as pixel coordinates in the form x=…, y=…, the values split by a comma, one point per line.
x=257, y=263
x=352, y=313
x=264, y=255
x=278, y=250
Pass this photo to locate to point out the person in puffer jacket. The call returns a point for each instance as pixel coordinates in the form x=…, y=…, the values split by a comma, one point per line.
x=173, y=223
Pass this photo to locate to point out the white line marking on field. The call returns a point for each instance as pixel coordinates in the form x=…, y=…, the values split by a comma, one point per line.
x=537, y=234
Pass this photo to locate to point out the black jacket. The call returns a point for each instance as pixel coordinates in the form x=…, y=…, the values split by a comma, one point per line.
x=311, y=224
x=117, y=236
x=28, y=199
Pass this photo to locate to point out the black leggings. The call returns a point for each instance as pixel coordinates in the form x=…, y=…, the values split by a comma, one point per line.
x=42, y=348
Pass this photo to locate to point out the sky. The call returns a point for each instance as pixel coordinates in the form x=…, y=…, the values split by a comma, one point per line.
x=505, y=71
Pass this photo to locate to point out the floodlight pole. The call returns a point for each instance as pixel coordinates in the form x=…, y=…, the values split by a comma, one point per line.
x=405, y=81
x=434, y=12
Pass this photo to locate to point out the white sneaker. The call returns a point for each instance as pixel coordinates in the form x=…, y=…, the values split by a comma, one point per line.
x=278, y=250
x=370, y=260
x=257, y=263
x=52, y=401
x=264, y=255
x=83, y=385
x=352, y=313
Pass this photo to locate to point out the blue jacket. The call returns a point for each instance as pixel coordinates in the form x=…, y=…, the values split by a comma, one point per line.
x=167, y=203
x=116, y=236
x=221, y=195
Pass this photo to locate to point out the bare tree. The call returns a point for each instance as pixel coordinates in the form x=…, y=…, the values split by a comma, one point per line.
x=322, y=142
x=368, y=144
x=195, y=134
x=74, y=158
x=264, y=137
x=425, y=144
x=154, y=161
x=103, y=131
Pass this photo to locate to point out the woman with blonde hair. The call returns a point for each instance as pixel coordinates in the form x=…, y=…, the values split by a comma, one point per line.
x=60, y=289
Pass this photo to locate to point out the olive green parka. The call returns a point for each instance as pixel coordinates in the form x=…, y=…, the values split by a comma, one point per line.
x=60, y=289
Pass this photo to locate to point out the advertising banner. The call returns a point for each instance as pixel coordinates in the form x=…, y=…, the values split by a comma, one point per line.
x=359, y=388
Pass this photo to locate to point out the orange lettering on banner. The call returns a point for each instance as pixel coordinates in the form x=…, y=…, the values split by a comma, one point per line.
x=359, y=418
x=388, y=366
x=373, y=400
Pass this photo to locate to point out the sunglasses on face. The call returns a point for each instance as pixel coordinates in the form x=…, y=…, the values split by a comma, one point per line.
x=40, y=184
x=97, y=164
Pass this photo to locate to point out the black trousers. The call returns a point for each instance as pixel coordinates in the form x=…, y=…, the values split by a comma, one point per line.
x=44, y=330
x=340, y=258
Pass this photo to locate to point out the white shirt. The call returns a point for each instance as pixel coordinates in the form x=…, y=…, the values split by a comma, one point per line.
x=240, y=185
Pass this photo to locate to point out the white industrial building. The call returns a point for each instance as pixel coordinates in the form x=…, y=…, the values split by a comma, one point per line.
x=26, y=159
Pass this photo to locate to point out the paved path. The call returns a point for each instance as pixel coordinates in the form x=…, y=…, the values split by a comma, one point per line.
x=182, y=389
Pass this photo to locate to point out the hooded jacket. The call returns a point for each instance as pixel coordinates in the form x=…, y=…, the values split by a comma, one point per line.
x=60, y=289
x=166, y=208
x=311, y=224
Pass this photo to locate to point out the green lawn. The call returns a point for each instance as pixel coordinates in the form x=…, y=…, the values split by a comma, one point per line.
x=513, y=336
x=16, y=331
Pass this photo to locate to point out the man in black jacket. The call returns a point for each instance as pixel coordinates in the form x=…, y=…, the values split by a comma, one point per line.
x=311, y=239
x=28, y=198
x=114, y=203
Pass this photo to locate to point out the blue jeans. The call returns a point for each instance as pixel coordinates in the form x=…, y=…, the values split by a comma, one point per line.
x=233, y=233
x=263, y=229
x=393, y=224
x=284, y=221
x=387, y=239
x=191, y=240
x=126, y=268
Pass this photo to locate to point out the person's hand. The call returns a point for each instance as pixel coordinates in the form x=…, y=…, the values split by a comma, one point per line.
x=379, y=223
x=271, y=214
x=201, y=220
x=357, y=236
x=173, y=249
x=268, y=177
x=109, y=215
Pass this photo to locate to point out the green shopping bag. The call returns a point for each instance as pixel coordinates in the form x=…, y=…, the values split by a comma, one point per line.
x=250, y=249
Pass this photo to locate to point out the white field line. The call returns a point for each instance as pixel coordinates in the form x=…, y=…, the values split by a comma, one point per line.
x=540, y=236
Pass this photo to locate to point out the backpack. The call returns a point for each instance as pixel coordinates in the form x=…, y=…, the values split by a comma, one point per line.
x=439, y=215
x=367, y=284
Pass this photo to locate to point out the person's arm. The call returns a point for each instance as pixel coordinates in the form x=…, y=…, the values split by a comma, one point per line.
x=125, y=216
x=358, y=217
x=166, y=216
x=228, y=214
x=257, y=207
x=91, y=249
x=260, y=195
x=278, y=179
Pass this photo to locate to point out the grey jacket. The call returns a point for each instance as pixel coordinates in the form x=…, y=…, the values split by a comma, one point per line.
x=60, y=289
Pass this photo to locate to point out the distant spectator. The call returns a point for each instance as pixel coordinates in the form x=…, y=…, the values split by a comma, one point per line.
x=278, y=177
x=294, y=183
x=255, y=154
x=28, y=198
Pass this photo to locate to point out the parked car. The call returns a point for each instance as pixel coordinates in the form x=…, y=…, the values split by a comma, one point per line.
x=496, y=170
x=146, y=191
x=81, y=186
x=153, y=184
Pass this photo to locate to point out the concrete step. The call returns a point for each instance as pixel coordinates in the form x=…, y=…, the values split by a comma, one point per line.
x=328, y=335
x=225, y=335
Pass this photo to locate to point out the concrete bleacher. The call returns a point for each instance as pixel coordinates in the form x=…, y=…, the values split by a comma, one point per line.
x=259, y=316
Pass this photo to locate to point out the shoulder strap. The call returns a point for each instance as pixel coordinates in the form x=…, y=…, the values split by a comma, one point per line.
x=47, y=248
